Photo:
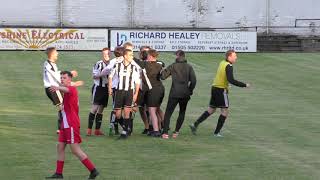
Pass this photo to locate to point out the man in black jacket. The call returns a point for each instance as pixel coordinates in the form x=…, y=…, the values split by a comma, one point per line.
x=183, y=83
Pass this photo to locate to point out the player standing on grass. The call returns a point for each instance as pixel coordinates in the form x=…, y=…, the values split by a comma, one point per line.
x=155, y=94
x=144, y=87
x=128, y=82
x=99, y=93
x=219, y=93
x=70, y=128
x=183, y=82
x=118, y=53
x=51, y=77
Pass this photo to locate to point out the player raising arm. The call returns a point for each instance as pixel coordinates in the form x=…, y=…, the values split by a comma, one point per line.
x=70, y=128
x=219, y=93
x=51, y=77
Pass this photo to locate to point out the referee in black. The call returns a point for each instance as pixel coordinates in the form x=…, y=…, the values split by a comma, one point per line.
x=183, y=82
x=219, y=93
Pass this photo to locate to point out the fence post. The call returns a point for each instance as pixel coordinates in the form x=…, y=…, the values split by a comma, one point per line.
x=131, y=13
x=267, y=15
x=60, y=12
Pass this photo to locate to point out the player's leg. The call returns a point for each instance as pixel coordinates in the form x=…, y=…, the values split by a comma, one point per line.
x=60, y=162
x=142, y=110
x=99, y=117
x=119, y=119
x=204, y=116
x=144, y=118
x=126, y=104
x=113, y=121
x=77, y=151
x=171, y=105
x=211, y=109
x=56, y=99
x=160, y=116
x=155, y=121
x=120, y=99
x=222, y=118
x=154, y=100
x=102, y=101
x=126, y=118
x=61, y=156
x=134, y=109
x=91, y=118
x=59, y=117
x=182, y=111
x=223, y=103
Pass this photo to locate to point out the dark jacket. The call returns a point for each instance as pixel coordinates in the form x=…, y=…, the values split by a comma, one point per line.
x=183, y=79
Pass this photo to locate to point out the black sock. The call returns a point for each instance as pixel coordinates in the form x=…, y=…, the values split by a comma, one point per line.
x=203, y=117
x=121, y=121
x=150, y=128
x=98, y=120
x=126, y=125
x=220, y=123
x=112, y=117
x=59, y=119
x=131, y=124
x=91, y=120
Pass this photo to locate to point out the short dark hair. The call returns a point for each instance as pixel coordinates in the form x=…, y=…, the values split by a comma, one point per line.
x=118, y=51
x=229, y=52
x=180, y=53
x=67, y=73
x=143, y=55
x=49, y=50
x=154, y=53
x=144, y=47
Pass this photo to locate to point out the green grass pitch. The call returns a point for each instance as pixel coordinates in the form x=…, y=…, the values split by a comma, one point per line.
x=272, y=131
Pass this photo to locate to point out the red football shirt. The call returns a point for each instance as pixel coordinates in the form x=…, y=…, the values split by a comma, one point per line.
x=70, y=112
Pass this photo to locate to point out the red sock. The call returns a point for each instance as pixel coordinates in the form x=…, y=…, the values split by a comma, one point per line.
x=90, y=166
x=59, y=167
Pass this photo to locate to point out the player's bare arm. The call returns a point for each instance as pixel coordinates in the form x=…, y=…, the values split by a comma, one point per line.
x=135, y=96
x=59, y=88
x=77, y=83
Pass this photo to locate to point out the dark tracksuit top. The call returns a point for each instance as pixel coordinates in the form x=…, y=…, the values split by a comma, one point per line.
x=183, y=79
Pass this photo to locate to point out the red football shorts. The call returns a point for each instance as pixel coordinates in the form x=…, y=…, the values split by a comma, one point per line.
x=70, y=135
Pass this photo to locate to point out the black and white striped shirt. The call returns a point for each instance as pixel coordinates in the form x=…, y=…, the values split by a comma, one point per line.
x=96, y=71
x=51, y=74
x=125, y=76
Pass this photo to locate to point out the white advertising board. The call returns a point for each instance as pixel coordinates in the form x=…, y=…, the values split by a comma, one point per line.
x=192, y=41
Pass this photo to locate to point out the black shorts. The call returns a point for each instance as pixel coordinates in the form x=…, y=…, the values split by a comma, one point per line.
x=219, y=98
x=142, y=97
x=100, y=95
x=123, y=99
x=55, y=97
x=155, y=96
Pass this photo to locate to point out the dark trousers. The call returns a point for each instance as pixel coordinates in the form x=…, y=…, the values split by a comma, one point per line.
x=172, y=103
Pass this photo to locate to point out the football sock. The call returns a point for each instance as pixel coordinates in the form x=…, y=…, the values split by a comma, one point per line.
x=59, y=168
x=203, y=117
x=220, y=123
x=91, y=120
x=98, y=120
x=89, y=165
